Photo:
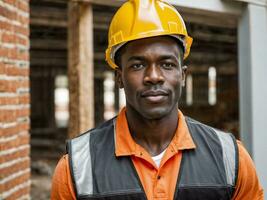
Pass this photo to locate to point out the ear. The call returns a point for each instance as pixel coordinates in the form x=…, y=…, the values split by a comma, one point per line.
x=184, y=70
x=118, y=78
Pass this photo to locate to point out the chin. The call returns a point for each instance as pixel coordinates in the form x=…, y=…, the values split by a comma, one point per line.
x=155, y=114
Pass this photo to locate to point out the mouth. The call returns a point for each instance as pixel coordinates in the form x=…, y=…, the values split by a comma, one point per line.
x=154, y=96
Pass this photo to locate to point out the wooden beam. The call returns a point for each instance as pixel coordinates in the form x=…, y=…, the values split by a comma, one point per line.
x=49, y=22
x=48, y=44
x=48, y=58
x=48, y=16
x=256, y=2
x=209, y=6
x=80, y=68
x=48, y=12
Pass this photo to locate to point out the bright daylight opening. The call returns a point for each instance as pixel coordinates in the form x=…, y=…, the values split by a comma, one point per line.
x=212, y=86
x=61, y=101
x=189, y=90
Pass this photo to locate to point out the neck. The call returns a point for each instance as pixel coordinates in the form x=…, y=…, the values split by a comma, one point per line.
x=152, y=134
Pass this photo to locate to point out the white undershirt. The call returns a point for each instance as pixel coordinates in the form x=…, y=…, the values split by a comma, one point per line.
x=157, y=159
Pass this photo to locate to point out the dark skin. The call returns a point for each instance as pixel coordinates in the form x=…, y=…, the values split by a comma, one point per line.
x=152, y=78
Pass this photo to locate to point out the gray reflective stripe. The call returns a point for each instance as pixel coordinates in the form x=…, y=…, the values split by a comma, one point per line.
x=228, y=148
x=81, y=164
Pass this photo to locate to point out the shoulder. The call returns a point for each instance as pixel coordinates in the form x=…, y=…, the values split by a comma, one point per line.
x=61, y=182
x=97, y=134
x=248, y=185
x=202, y=131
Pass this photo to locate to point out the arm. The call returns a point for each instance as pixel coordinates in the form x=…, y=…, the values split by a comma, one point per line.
x=248, y=185
x=62, y=188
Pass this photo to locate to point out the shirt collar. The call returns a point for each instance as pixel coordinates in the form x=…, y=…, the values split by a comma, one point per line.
x=125, y=145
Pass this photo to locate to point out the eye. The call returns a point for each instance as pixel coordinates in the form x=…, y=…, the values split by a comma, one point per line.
x=137, y=66
x=168, y=65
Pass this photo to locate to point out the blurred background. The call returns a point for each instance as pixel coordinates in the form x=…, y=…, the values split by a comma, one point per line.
x=55, y=83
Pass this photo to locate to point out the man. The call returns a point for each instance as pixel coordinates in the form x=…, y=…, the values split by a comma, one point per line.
x=150, y=150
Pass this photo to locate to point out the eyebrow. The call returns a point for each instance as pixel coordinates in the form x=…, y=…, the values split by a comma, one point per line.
x=141, y=58
x=163, y=57
x=166, y=57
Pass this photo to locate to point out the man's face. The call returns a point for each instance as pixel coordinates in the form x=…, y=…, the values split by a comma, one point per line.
x=151, y=76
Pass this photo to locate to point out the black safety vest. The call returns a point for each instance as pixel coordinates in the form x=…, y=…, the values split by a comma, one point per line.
x=208, y=172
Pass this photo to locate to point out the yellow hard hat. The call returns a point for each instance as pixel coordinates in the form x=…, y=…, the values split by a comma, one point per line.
x=137, y=19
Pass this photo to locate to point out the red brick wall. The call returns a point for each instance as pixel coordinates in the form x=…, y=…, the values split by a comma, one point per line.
x=14, y=100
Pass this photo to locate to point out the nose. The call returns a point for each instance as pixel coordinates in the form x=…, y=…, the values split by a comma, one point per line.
x=153, y=75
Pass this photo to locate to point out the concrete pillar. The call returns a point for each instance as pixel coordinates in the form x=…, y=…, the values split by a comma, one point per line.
x=252, y=45
x=80, y=67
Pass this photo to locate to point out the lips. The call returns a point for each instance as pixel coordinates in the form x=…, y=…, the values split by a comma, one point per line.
x=154, y=96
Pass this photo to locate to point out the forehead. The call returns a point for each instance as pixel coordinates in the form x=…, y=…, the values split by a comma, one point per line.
x=154, y=45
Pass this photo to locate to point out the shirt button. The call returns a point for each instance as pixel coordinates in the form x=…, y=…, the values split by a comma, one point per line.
x=158, y=177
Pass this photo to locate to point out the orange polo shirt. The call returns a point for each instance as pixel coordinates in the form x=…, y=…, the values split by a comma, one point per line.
x=159, y=182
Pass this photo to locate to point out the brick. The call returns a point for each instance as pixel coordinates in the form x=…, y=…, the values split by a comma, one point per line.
x=9, y=100
x=10, y=131
x=23, y=112
x=8, y=115
x=11, y=2
x=21, y=140
x=19, y=193
x=10, y=85
x=23, y=6
x=23, y=19
x=18, y=154
x=8, y=37
x=2, y=68
x=24, y=126
x=5, y=12
x=12, y=53
x=5, y=25
x=22, y=41
x=24, y=99
x=16, y=181
x=22, y=165
x=3, y=86
x=24, y=83
x=2, y=100
x=3, y=51
x=24, y=71
x=12, y=70
x=23, y=56
x=22, y=30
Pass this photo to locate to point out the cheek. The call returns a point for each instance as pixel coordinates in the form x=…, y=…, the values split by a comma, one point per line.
x=175, y=80
x=131, y=83
x=132, y=79
x=176, y=85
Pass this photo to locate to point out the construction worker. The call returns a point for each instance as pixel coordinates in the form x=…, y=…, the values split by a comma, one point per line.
x=150, y=150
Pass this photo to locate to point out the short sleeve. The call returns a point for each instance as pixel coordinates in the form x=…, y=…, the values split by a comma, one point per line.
x=62, y=188
x=248, y=186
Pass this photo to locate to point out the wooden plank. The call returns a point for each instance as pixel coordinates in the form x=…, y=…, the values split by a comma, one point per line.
x=48, y=58
x=48, y=44
x=257, y=2
x=48, y=12
x=49, y=22
x=48, y=16
x=80, y=46
x=209, y=6
x=102, y=19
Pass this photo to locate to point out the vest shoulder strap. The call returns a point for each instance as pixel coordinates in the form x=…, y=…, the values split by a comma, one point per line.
x=80, y=164
x=218, y=149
